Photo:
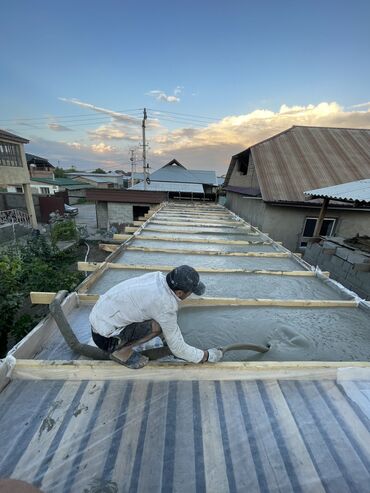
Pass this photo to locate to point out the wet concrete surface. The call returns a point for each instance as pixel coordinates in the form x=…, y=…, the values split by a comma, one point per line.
x=240, y=285
x=200, y=229
x=306, y=334
x=211, y=261
x=295, y=334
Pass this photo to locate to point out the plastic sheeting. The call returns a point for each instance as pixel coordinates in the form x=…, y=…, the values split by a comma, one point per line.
x=220, y=436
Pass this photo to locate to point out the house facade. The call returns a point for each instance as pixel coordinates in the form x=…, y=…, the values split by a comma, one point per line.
x=265, y=184
x=14, y=170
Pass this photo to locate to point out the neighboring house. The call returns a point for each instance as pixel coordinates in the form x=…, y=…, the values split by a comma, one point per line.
x=14, y=170
x=39, y=167
x=119, y=207
x=99, y=180
x=180, y=182
x=265, y=184
x=47, y=186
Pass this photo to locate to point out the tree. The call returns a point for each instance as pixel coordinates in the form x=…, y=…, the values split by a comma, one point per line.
x=59, y=172
x=99, y=170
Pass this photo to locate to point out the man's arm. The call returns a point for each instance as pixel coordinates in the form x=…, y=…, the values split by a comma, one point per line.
x=175, y=340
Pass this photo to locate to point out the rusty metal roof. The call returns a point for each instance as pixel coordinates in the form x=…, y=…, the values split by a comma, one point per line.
x=305, y=158
x=354, y=191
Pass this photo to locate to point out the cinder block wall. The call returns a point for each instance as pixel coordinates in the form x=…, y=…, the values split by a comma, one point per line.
x=119, y=215
x=345, y=265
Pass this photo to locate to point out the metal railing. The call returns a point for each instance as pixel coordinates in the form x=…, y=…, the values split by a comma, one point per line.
x=15, y=216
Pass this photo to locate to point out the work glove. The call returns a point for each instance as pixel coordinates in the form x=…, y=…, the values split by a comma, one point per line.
x=214, y=355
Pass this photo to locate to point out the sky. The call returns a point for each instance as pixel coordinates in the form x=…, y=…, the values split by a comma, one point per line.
x=215, y=76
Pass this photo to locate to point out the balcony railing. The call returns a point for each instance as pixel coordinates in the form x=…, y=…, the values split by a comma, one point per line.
x=15, y=216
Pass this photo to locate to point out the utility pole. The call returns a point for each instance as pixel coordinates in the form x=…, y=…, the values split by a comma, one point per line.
x=144, y=150
x=133, y=165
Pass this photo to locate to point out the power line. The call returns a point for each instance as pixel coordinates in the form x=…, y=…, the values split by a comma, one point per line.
x=186, y=114
x=62, y=117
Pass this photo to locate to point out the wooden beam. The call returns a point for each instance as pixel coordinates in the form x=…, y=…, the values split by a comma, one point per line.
x=320, y=220
x=46, y=298
x=198, y=240
x=108, y=247
x=138, y=223
x=78, y=370
x=209, y=252
x=247, y=232
x=223, y=224
x=91, y=266
x=180, y=220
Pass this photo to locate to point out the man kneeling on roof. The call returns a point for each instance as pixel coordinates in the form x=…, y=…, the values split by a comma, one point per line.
x=139, y=309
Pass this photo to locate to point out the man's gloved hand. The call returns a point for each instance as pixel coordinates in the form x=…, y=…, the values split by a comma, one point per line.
x=214, y=355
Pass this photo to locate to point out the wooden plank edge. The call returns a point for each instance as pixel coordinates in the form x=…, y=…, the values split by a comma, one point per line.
x=46, y=298
x=77, y=370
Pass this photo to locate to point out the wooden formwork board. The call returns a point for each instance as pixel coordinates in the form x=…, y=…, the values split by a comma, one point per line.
x=120, y=237
x=223, y=224
x=77, y=370
x=244, y=229
x=47, y=298
x=92, y=266
x=209, y=252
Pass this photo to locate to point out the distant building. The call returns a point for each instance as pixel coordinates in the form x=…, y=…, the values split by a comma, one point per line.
x=14, y=170
x=265, y=184
x=47, y=186
x=100, y=180
x=39, y=167
x=180, y=182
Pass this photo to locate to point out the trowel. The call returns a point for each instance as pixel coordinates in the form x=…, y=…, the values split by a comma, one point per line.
x=161, y=352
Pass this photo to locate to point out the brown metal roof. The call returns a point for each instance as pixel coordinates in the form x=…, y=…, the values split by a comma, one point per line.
x=127, y=196
x=304, y=158
x=15, y=138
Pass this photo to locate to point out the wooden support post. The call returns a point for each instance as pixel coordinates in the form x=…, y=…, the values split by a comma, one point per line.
x=321, y=218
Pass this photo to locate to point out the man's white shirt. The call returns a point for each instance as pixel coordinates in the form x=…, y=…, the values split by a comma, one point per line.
x=147, y=297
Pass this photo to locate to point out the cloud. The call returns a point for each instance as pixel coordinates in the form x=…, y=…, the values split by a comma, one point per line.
x=361, y=105
x=162, y=96
x=59, y=128
x=122, y=117
x=237, y=132
x=102, y=148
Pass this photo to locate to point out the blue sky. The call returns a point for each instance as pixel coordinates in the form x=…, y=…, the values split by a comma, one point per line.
x=233, y=72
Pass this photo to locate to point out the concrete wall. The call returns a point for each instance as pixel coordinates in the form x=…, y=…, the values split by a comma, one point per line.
x=119, y=215
x=18, y=201
x=286, y=223
x=345, y=265
x=15, y=175
x=102, y=215
x=75, y=195
x=241, y=179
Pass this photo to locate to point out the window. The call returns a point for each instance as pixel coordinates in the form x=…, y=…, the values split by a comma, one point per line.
x=44, y=190
x=19, y=189
x=10, y=155
x=327, y=229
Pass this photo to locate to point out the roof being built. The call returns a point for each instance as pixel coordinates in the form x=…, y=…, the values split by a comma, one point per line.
x=305, y=158
x=296, y=418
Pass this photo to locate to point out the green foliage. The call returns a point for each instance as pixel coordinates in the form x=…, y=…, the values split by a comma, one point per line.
x=63, y=231
x=36, y=266
x=59, y=172
x=99, y=170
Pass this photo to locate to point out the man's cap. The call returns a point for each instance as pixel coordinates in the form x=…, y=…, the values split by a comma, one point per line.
x=186, y=279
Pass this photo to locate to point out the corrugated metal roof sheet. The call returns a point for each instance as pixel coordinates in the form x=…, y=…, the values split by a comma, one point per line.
x=305, y=158
x=167, y=186
x=353, y=191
